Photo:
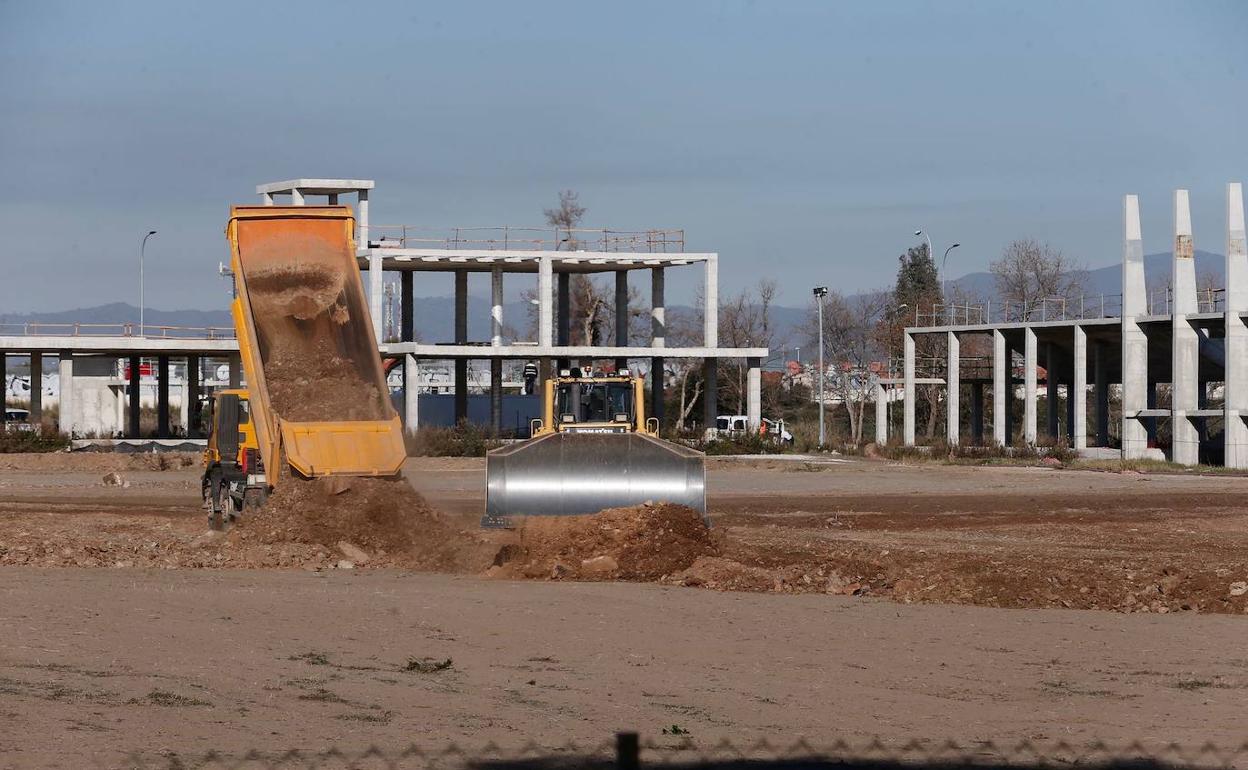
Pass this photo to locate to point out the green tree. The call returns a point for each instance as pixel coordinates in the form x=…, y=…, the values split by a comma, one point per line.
x=915, y=294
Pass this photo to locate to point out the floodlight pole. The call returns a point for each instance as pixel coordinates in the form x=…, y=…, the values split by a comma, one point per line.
x=820, y=292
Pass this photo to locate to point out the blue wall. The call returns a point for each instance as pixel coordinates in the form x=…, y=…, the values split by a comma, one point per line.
x=438, y=410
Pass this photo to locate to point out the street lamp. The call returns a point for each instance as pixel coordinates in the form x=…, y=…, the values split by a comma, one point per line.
x=820, y=292
x=943, y=260
x=142, y=249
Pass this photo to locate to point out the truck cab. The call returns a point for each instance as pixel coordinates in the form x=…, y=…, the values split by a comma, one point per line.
x=234, y=474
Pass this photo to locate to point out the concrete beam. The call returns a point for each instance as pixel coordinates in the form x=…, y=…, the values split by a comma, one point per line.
x=953, y=390
x=1029, y=386
x=1000, y=381
x=1135, y=383
x=1235, y=432
x=1185, y=341
x=1078, y=395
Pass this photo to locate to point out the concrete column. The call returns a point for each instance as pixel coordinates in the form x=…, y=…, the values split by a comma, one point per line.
x=411, y=393
x=907, y=429
x=136, y=395
x=953, y=388
x=1007, y=407
x=496, y=307
x=881, y=415
x=754, y=392
x=461, y=337
x=1100, y=364
x=657, y=394
x=191, y=408
x=563, y=315
x=235, y=367
x=545, y=303
x=162, y=397
x=977, y=413
x=658, y=309
x=1051, y=391
x=496, y=395
x=407, y=317
x=68, y=416
x=1029, y=386
x=1077, y=398
x=376, y=291
x=710, y=291
x=332, y=199
x=36, y=388
x=361, y=221
x=710, y=393
x=1135, y=383
x=1000, y=381
x=1235, y=431
x=296, y=197
x=266, y=198
x=621, y=315
x=1185, y=345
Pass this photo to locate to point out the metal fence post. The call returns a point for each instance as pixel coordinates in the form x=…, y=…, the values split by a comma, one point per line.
x=627, y=751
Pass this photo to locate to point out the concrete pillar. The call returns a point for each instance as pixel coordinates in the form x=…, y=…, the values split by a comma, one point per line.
x=710, y=393
x=1029, y=386
x=1051, y=391
x=1077, y=397
x=332, y=199
x=162, y=397
x=36, y=388
x=657, y=393
x=376, y=290
x=296, y=197
x=710, y=291
x=907, y=425
x=621, y=315
x=1100, y=364
x=1150, y=402
x=953, y=388
x=1000, y=382
x=754, y=392
x=66, y=408
x=407, y=317
x=977, y=413
x=1235, y=431
x=361, y=221
x=545, y=303
x=411, y=393
x=496, y=395
x=191, y=407
x=1011, y=395
x=266, y=198
x=461, y=337
x=136, y=395
x=1135, y=383
x=496, y=307
x=1185, y=345
x=235, y=368
x=881, y=415
x=563, y=315
x=658, y=309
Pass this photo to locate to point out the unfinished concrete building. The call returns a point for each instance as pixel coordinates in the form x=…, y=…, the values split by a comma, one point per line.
x=1194, y=348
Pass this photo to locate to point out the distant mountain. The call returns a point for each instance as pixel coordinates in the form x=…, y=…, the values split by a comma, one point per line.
x=1108, y=280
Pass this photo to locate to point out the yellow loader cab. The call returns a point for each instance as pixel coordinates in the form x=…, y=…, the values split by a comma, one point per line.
x=234, y=473
x=593, y=449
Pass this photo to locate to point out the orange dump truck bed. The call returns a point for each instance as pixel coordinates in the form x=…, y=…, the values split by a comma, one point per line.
x=318, y=393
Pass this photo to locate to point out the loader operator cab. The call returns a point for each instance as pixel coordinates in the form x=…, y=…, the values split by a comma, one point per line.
x=577, y=403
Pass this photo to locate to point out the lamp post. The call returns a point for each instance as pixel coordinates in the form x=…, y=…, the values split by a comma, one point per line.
x=142, y=250
x=820, y=292
x=945, y=276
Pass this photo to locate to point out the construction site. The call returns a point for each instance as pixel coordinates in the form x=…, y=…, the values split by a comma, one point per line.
x=280, y=566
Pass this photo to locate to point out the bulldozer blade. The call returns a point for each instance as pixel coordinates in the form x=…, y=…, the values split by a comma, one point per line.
x=566, y=474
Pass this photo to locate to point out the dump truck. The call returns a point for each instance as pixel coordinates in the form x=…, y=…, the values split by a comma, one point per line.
x=592, y=449
x=316, y=402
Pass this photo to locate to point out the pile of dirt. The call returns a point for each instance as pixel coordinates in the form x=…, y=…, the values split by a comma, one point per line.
x=644, y=542
x=378, y=522
x=308, y=380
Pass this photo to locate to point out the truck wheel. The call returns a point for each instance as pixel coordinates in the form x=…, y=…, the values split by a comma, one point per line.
x=213, y=490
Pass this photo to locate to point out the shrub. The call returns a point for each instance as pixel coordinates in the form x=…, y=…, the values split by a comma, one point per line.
x=464, y=440
x=45, y=439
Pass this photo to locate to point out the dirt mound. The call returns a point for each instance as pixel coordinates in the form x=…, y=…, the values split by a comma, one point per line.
x=642, y=543
x=725, y=575
x=386, y=520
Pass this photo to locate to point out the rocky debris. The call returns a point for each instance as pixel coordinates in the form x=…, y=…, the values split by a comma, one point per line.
x=723, y=574
x=1238, y=588
x=599, y=565
x=113, y=479
x=344, y=564
x=353, y=552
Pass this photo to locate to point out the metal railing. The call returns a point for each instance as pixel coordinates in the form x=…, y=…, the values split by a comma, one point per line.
x=44, y=329
x=1081, y=308
x=529, y=239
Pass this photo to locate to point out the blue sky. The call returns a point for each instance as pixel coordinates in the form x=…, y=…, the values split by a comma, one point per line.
x=802, y=141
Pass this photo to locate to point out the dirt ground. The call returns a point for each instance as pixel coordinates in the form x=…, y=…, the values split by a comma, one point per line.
x=132, y=650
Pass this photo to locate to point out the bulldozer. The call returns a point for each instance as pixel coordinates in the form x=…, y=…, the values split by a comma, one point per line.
x=592, y=449
x=316, y=403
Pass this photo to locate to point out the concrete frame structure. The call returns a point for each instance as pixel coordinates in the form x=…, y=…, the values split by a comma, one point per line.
x=553, y=269
x=1185, y=347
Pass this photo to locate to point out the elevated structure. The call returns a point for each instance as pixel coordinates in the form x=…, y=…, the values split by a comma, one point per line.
x=1198, y=349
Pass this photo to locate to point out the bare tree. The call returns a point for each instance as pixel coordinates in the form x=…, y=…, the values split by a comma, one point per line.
x=745, y=322
x=588, y=301
x=1030, y=275
x=852, y=337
